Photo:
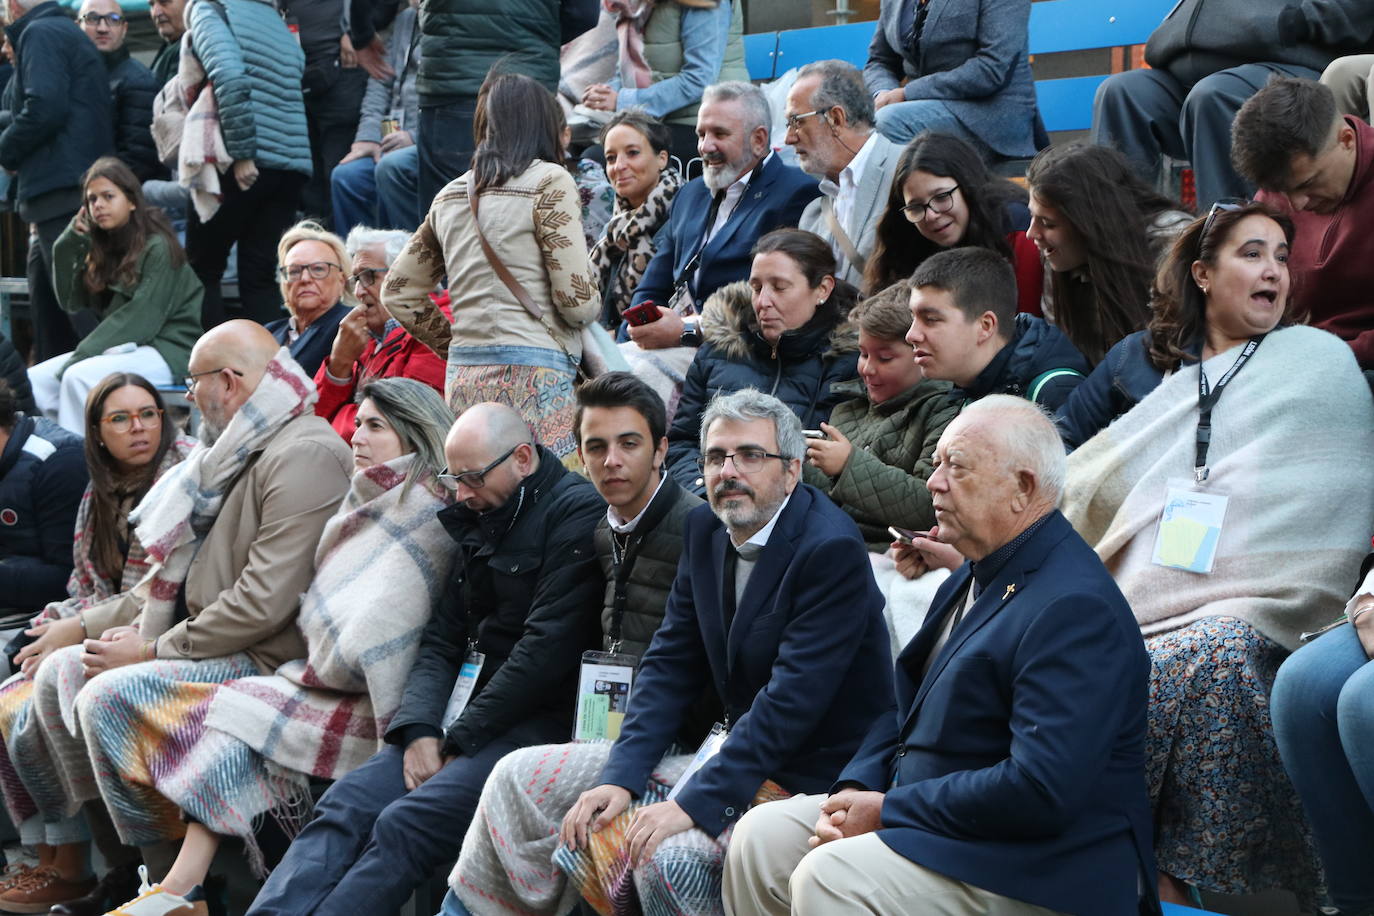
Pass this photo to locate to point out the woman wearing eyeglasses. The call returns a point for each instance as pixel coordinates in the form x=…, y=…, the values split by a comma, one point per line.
x=369, y=343
x=119, y=260
x=130, y=443
x=943, y=196
x=311, y=265
x=1101, y=230
x=1232, y=505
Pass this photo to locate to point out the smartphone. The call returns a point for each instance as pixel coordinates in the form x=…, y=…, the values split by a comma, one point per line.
x=905, y=535
x=813, y=434
x=642, y=314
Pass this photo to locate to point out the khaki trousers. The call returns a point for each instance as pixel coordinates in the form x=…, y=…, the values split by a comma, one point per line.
x=1351, y=79
x=770, y=871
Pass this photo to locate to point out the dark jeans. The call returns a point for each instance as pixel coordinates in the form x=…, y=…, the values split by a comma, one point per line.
x=256, y=219
x=372, y=842
x=1146, y=113
x=332, y=118
x=445, y=147
x=54, y=331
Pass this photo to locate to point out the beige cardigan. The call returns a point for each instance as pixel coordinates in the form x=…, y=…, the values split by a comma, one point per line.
x=534, y=224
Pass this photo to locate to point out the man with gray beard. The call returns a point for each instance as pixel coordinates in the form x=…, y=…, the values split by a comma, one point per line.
x=774, y=610
x=743, y=193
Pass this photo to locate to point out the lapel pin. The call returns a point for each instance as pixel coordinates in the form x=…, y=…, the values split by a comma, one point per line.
x=1011, y=590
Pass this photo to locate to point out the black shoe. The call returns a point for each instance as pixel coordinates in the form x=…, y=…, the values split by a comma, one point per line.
x=118, y=885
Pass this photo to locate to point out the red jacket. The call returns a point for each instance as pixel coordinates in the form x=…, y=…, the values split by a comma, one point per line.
x=1030, y=272
x=398, y=356
x=1332, y=261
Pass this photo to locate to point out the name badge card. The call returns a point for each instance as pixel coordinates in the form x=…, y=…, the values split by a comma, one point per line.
x=710, y=747
x=603, y=695
x=1189, y=527
x=464, y=687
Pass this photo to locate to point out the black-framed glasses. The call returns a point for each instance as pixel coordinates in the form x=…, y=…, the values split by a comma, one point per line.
x=367, y=277
x=1226, y=203
x=940, y=203
x=121, y=421
x=193, y=379
x=473, y=480
x=318, y=270
x=747, y=460
x=793, y=121
x=113, y=20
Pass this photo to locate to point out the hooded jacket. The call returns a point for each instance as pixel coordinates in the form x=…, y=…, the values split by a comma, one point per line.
x=1039, y=364
x=801, y=370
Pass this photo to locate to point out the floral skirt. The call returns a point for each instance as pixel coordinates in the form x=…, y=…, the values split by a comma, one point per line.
x=538, y=383
x=1227, y=818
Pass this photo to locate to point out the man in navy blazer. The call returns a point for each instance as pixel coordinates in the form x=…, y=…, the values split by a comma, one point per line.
x=1011, y=777
x=775, y=606
x=705, y=244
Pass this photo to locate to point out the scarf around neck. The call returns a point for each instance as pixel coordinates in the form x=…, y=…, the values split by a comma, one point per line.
x=623, y=252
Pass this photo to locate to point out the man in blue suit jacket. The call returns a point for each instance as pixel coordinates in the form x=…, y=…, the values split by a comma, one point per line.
x=1011, y=778
x=744, y=192
x=773, y=605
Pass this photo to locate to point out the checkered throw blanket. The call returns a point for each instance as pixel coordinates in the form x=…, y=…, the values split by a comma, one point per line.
x=380, y=569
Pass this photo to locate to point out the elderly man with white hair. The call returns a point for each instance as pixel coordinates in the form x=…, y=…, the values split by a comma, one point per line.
x=369, y=344
x=1010, y=777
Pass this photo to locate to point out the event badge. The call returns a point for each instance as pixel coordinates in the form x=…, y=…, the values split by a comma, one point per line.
x=603, y=695
x=465, y=685
x=709, y=748
x=681, y=300
x=1189, y=527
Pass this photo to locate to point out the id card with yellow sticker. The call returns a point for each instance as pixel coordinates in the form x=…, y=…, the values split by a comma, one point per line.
x=1190, y=527
x=604, y=685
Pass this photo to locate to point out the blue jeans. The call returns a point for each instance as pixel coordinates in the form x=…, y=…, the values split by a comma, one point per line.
x=372, y=842
x=453, y=906
x=901, y=122
x=378, y=194
x=446, y=146
x=1323, y=711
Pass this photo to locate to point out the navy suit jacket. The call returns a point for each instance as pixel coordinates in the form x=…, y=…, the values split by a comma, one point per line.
x=776, y=197
x=802, y=672
x=1017, y=763
x=311, y=348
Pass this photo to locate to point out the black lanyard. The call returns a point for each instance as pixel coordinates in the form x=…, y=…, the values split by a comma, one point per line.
x=1206, y=400
x=622, y=562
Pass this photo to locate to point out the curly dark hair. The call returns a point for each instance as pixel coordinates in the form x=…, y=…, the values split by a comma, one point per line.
x=899, y=248
x=1179, y=308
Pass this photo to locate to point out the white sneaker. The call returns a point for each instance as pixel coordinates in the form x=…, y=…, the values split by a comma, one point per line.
x=152, y=900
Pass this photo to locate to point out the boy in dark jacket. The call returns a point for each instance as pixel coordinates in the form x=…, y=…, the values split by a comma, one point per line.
x=495, y=672
x=965, y=330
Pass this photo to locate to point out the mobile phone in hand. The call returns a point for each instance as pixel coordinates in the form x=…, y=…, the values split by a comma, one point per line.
x=642, y=314
x=813, y=434
x=905, y=535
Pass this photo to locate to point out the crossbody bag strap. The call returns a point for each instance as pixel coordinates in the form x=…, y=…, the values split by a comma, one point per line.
x=846, y=243
x=516, y=288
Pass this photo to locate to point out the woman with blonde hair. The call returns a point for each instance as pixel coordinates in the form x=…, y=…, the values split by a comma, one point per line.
x=312, y=265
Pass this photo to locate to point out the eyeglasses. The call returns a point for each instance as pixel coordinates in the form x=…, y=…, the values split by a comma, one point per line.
x=747, y=460
x=95, y=19
x=317, y=270
x=368, y=277
x=121, y=421
x=794, y=121
x=473, y=480
x=191, y=380
x=1226, y=203
x=940, y=203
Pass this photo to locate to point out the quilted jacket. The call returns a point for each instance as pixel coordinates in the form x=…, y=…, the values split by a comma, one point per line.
x=132, y=88
x=255, y=65
x=884, y=481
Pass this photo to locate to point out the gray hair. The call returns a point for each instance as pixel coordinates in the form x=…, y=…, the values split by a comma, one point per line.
x=420, y=417
x=751, y=98
x=1030, y=440
x=391, y=241
x=749, y=404
x=841, y=86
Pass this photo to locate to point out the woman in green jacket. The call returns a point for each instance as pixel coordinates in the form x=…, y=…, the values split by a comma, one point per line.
x=120, y=260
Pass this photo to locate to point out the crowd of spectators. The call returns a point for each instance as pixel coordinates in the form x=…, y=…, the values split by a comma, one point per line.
x=574, y=497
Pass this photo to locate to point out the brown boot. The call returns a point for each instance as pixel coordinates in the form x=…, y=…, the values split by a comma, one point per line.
x=41, y=889
x=13, y=875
